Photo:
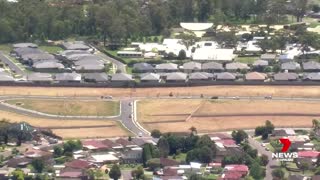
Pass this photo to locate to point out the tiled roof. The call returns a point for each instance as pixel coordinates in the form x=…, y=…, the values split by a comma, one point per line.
x=308, y=154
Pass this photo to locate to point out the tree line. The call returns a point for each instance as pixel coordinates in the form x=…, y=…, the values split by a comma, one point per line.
x=114, y=20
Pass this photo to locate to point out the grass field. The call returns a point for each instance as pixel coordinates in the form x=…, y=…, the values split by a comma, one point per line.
x=51, y=49
x=170, y=115
x=69, y=107
x=246, y=60
x=65, y=128
x=276, y=91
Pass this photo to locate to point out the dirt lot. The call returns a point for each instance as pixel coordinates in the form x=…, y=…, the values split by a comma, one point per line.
x=90, y=132
x=286, y=91
x=110, y=128
x=170, y=115
x=69, y=107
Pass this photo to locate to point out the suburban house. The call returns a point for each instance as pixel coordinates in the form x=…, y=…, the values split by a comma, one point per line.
x=68, y=77
x=260, y=63
x=176, y=77
x=40, y=77
x=150, y=77
x=132, y=155
x=190, y=67
x=212, y=67
x=121, y=77
x=77, y=45
x=95, y=77
x=286, y=76
x=309, y=155
x=255, y=76
x=48, y=66
x=70, y=173
x=142, y=67
x=94, y=145
x=311, y=66
x=235, y=66
x=166, y=67
x=268, y=57
x=279, y=133
x=290, y=66
x=200, y=76
x=234, y=172
x=24, y=45
x=79, y=164
x=312, y=76
x=225, y=76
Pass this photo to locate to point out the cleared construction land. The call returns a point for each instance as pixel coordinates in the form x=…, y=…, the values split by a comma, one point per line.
x=71, y=128
x=280, y=91
x=173, y=115
x=69, y=107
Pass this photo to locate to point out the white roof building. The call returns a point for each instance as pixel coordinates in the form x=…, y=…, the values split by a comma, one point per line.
x=212, y=54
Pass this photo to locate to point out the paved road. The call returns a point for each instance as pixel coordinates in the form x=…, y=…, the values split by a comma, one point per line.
x=16, y=69
x=128, y=118
x=261, y=150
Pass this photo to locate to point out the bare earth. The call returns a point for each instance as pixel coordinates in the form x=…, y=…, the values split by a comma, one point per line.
x=170, y=115
x=284, y=91
x=110, y=128
x=70, y=107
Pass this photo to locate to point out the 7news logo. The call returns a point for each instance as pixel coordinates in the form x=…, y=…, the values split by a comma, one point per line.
x=284, y=155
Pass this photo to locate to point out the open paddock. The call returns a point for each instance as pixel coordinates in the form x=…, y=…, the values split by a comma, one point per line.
x=69, y=107
x=219, y=90
x=170, y=115
x=66, y=128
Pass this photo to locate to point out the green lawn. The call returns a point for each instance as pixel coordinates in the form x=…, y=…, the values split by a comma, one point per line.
x=247, y=60
x=270, y=147
x=6, y=48
x=70, y=107
x=51, y=49
x=180, y=157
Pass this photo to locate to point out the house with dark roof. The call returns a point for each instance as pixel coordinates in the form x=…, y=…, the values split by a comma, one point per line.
x=225, y=76
x=235, y=66
x=40, y=77
x=312, y=76
x=68, y=77
x=200, y=76
x=176, y=77
x=290, y=66
x=18, y=162
x=142, y=67
x=166, y=67
x=71, y=174
x=79, y=164
x=111, y=144
x=255, y=76
x=234, y=171
x=260, y=63
x=77, y=45
x=94, y=145
x=121, y=77
x=190, y=67
x=311, y=66
x=48, y=66
x=268, y=57
x=125, y=143
x=165, y=162
x=212, y=67
x=95, y=77
x=132, y=155
x=24, y=45
x=150, y=78
x=286, y=76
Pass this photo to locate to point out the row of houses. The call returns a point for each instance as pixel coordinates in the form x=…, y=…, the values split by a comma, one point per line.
x=77, y=56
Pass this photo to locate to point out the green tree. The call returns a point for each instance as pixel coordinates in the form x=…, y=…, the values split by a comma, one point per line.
x=278, y=173
x=146, y=154
x=256, y=171
x=156, y=133
x=304, y=166
x=17, y=175
x=153, y=164
x=115, y=172
x=38, y=165
x=264, y=160
x=57, y=151
x=138, y=173
x=239, y=136
x=164, y=147
x=182, y=55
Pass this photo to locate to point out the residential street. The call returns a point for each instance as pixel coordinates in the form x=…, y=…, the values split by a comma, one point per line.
x=261, y=150
x=11, y=65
